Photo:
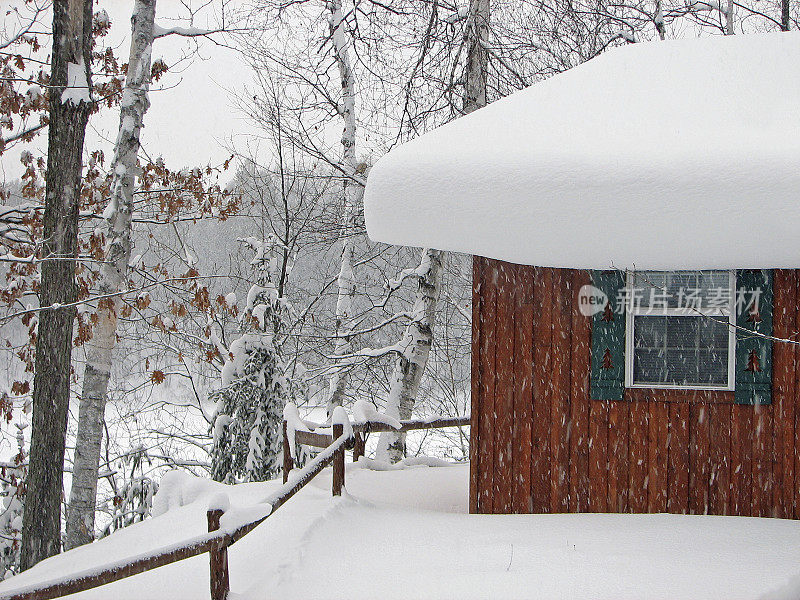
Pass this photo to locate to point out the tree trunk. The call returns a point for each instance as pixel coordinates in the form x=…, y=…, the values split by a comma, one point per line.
x=661, y=27
x=418, y=338
x=477, y=55
x=410, y=364
x=113, y=274
x=69, y=113
x=353, y=196
x=784, y=15
x=729, y=12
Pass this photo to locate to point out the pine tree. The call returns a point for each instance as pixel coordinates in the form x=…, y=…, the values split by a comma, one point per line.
x=247, y=429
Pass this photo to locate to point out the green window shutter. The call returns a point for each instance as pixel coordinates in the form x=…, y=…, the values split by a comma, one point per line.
x=753, y=353
x=607, y=380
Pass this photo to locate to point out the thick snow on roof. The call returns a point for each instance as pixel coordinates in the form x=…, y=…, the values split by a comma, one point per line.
x=682, y=154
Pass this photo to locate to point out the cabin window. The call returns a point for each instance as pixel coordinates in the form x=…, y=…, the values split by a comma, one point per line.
x=679, y=331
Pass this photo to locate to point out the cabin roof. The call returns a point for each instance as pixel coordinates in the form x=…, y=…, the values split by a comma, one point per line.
x=682, y=154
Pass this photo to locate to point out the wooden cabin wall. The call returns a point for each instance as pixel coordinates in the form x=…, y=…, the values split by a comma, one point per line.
x=540, y=444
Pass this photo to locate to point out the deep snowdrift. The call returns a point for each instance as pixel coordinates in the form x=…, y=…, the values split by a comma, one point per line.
x=404, y=534
x=664, y=155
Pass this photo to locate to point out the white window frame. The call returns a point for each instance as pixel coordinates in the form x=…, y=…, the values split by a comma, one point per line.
x=632, y=311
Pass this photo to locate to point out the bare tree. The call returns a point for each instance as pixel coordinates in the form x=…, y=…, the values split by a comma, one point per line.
x=418, y=339
x=412, y=354
x=113, y=276
x=70, y=106
x=353, y=200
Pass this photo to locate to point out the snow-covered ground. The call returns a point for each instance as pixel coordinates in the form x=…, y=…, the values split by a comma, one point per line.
x=405, y=534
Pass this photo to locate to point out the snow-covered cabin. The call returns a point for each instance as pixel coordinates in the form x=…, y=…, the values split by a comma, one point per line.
x=635, y=223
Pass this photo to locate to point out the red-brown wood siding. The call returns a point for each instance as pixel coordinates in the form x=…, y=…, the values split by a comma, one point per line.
x=540, y=444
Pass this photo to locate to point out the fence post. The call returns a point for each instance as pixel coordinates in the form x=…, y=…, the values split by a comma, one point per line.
x=288, y=462
x=358, y=447
x=218, y=560
x=338, y=461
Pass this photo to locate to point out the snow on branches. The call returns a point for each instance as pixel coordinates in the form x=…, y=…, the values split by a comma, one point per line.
x=256, y=385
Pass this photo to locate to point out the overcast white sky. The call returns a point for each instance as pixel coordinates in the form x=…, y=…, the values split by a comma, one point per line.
x=188, y=124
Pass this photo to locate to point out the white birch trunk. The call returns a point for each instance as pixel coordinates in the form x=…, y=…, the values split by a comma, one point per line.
x=661, y=27
x=353, y=196
x=729, y=18
x=410, y=364
x=477, y=55
x=418, y=338
x=113, y=274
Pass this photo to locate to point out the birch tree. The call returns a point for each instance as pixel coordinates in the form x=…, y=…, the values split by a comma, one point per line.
x=113, y=276
x=418, y=338
x=353, y=198
x=70, y=105
x=413, y=352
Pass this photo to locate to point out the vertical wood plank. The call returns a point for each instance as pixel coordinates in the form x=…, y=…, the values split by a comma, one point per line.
x=657, y=456
x=288, y=462
x=789, y=396
x=743, y=420
x=678, y=461
x=579, y=401
x=598, y=456
x=720, y=451
x=486, y=431
x=769, y=462
x=781, y=382
x=542, y=347
x=653, y=480
x=504, y=389
x=789, y=410
x=796, y=397
x=560, y=392
x=523, y=390
x=740, y=485
x=698, y=458
x=637, y=461
x=476, y=406
x=337, y=480
x=219, y=578
x=359, y=448
x=618, y=456
x=762, y=460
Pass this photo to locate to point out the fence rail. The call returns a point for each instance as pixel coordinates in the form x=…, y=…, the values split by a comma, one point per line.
x=217, y=541
x=360, y=430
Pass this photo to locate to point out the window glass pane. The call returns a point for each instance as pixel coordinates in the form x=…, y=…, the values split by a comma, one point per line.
x=689, y=290
x=713, y=367
x=680, y=350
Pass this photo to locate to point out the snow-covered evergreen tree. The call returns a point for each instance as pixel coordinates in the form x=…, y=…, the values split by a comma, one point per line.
x=256, y=385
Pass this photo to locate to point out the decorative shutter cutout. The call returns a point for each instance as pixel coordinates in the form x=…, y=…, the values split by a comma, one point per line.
x=753, y=353
x=607, y=380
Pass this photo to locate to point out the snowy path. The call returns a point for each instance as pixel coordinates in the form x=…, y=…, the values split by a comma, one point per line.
x=406, y=534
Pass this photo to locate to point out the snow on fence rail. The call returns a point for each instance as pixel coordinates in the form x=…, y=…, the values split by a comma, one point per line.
x=215, y=542
x=218, y=538
x=292, y=432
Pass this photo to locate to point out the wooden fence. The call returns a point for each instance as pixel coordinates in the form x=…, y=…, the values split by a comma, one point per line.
x=357, y=443
x=216, y=542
